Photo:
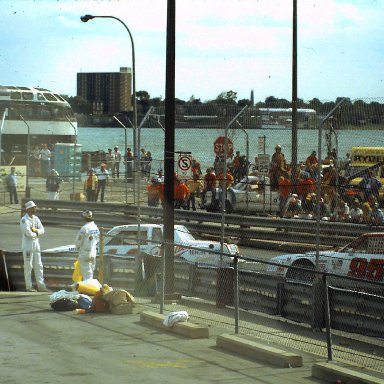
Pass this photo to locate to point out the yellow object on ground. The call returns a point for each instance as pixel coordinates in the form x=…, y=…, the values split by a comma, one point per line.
x=76, y=276
x=87, y=289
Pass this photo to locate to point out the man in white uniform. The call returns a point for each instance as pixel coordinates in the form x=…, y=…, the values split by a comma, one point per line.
x=86, y=243
x=31, y=228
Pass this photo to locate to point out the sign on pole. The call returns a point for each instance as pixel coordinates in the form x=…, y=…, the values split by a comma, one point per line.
x=263, y=164
x=184, y=166
x=261, y=144
x=219, y=146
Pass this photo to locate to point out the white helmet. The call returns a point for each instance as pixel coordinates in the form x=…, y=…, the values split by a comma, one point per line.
x=87, y=214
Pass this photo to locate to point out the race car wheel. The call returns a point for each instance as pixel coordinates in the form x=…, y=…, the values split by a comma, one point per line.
x=304, y=275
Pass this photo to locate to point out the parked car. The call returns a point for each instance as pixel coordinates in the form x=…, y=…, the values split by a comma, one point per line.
x=251, y=194
x=362, y=258
x=123, y=241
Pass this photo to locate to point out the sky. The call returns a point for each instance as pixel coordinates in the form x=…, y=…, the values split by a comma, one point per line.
x=221, y=45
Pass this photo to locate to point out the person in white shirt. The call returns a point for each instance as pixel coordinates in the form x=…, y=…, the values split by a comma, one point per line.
x=103, y=180
x=110, y=159
x=116, y=163
x=86, y=243
x=356, y=213
x=31, y=228
x=45, y=160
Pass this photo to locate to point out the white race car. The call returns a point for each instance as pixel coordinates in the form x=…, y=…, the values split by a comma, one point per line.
x=362, y=258
x=251, y=194
x=123, y=241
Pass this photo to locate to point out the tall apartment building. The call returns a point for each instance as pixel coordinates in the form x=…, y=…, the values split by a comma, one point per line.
x=109, y=92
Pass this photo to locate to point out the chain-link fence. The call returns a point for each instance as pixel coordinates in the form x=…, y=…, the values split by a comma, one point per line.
x=260, y=297
x=330, y=174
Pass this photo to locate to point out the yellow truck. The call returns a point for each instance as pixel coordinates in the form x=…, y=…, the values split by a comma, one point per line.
x=362, y=160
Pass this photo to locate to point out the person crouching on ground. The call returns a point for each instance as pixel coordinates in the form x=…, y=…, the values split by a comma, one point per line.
x=31, y=228
x=86, y=243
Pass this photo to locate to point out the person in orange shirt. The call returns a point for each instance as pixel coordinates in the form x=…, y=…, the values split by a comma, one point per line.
x=90, y=185
x=209, y=186
x=154, y=191
x=305, y=187
x=285, y=187
x=196, y=168
x=180, y=193
x=228, y=180
x=311, y=164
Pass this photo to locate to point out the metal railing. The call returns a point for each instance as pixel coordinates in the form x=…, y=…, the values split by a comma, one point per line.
x=348, y=309
x=262, y=232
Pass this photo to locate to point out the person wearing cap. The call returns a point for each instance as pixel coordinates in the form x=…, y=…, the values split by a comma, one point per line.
x=31, y=228
x=116, y=163
x=53, y=185
x=86, y=244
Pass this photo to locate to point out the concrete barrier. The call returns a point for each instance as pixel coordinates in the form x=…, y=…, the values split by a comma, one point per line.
x=332, y=372
x=253, y=349
x=191, y=330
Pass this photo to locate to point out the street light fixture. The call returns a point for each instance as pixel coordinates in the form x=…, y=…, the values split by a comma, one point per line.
x=86, y=18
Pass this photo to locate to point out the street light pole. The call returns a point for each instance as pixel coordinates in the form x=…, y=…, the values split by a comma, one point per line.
x=126, y=161
x=27, y=190
x=86, y=18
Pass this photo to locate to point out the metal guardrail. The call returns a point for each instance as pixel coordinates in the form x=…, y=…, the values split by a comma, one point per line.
x=351, y=311
x=246, y=230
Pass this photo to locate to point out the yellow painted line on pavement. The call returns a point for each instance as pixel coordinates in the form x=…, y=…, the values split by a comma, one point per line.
x=159, y=364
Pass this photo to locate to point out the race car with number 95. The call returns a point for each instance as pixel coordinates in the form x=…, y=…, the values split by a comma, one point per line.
x=362, y=258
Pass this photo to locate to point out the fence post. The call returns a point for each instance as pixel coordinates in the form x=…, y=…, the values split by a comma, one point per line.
x=327, y=314
x=317, y=305
x=224, y=287
x=101, y=256
x=280, y=299
x=236, y=292
x=191, y=278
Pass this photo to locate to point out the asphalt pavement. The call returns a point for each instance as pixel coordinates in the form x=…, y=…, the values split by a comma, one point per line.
x=40, y=345
x=44, y=346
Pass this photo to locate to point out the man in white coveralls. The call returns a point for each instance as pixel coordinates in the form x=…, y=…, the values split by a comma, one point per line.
x=86, y=243
x=31, y=228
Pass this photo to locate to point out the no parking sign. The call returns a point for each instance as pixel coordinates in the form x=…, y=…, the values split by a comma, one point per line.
x=184, y=166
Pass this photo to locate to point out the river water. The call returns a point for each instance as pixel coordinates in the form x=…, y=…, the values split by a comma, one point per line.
x=200, y=141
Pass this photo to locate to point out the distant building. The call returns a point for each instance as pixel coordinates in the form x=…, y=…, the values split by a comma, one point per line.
x=109, y=92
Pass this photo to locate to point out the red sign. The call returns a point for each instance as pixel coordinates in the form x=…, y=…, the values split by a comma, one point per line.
x=219, y=146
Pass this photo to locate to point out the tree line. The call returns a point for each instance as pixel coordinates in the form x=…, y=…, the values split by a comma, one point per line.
x=356, y=112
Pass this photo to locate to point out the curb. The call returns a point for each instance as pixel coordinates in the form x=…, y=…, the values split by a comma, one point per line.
x=191, y=330
x=250, y=348
x=333, y=372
